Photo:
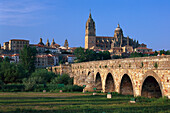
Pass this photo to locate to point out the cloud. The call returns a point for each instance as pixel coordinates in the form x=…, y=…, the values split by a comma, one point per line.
x=20, y=13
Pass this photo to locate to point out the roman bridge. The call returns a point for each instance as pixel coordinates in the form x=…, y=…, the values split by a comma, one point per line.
x=144, y=76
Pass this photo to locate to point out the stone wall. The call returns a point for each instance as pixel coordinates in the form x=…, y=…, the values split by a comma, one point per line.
x=137, y=69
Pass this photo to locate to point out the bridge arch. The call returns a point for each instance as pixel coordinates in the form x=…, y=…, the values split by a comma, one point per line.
x=126, y=85
x=98, y=82
x=109, y=83
x=151, y=85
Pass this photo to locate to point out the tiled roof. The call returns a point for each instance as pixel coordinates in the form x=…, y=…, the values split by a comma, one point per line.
x=19, y=40
x=142, y=48
x=103, y=37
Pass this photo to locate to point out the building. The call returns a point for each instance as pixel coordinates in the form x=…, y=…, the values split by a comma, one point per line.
x=15, y=44
x=143, y=49
x=46, y=60
x=6, y=46
x=117, y=43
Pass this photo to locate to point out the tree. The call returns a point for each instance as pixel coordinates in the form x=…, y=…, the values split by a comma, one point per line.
x=27, y=57
x=63, y=79
x=11, y=73
x=136, y=55
x=106, y=55
x=80, y=54
x=43, y=76
x=90, y=55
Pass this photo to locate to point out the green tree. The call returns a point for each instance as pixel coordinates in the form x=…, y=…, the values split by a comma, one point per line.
x=27, y=57
x=62, y=79
x=162, y=52
x=136, y=55
x=11, y=73
x=167, y=52
x=1, y=84
x=155, y=53
x=43, y=76
x=106, y=55
x=90, y=55
x=80, y=54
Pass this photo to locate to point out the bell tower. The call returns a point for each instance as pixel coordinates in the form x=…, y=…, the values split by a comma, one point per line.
x=90, y=33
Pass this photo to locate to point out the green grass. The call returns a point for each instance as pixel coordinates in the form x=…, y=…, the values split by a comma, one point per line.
x=29, y=102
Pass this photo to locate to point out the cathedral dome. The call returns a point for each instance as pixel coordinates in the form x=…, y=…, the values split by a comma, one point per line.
x=118, y=28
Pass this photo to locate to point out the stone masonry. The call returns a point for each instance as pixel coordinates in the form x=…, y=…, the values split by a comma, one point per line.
x=143, y=76
x=146, y=76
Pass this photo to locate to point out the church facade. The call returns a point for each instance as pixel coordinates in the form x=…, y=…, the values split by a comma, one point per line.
x=116, y=43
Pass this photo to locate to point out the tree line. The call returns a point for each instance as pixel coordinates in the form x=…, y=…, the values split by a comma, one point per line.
x=84, y=55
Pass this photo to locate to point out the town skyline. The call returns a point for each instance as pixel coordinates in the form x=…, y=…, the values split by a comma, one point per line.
x=31, y=20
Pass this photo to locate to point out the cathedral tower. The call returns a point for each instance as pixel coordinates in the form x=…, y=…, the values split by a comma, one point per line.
x=90, y=35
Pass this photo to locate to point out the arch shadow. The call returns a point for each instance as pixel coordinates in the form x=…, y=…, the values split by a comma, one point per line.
x=98, y=82
x=151, y=85
x=109, y=83
x=126, y=86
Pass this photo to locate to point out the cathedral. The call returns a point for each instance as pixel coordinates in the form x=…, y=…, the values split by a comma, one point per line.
x=117, y=42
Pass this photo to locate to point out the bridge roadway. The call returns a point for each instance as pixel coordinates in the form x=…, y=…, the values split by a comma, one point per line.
x=144, y=76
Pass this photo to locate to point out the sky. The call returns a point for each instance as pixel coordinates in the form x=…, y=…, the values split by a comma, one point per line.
x=147, y=21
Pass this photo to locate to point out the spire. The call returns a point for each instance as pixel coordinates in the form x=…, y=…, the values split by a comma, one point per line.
x=47, y=44
x=52, y=43
x=66, y=43
x=118, y=25
x=127, y=40
x=90, y=14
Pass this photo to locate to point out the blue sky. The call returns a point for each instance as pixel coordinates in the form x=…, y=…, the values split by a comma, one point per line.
x=147, y=21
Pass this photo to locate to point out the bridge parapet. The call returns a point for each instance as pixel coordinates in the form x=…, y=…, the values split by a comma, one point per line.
x=155, y=62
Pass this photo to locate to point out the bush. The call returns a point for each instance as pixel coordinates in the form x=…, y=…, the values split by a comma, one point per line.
x=29, y=83
x=43, y=76
x=40, y=76
x=1, y=84
x=71, y=88
x=62, y=79
x=13, y=88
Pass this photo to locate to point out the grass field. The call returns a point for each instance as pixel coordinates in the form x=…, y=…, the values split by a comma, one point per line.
x=29, y=102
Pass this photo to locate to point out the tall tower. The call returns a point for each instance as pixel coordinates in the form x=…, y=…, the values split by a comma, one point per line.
x=90, y=35
x=118, y=35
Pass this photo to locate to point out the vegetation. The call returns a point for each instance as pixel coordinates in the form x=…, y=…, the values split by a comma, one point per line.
x=11, y=73
x=27, y=57
x=90, y=55
x=79, y=103
x=63, y=79
x=161, y=52
x=156, y=65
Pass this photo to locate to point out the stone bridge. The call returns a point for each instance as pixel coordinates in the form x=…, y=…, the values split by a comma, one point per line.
x=146, y=76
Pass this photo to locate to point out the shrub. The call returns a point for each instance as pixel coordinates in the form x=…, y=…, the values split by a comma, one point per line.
x=1, y=84
x=63, y=79
x=29, y=83
x=71, y=88
x=156, y=65
x=43, y=76
x=13, y=88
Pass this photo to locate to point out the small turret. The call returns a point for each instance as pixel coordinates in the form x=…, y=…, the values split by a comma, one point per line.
x=66, y=43
x=52, y=43
x=47, y=44
x=127, y=40
x=41, y=43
